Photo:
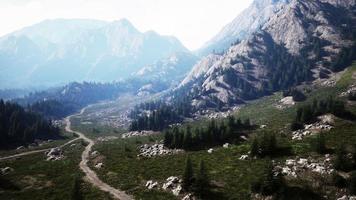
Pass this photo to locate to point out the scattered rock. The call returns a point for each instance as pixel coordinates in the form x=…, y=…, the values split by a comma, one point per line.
x=210, y=150
x=6, y=170
x=170, y=182
x=107, y=138
x=176, y=191
x=343, y=198
x=243, y=157
x=286, y=102
x=311, y=129
x=54, y=154
x=99, y=165
x=188, y=197
x=138, y=134
x=156, y=150
x=20, y=148
x=150, y=184
x=294, y=166
x=94, y=153
x=263, y=126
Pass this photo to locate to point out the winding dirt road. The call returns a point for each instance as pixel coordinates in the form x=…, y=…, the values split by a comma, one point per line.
x=91, y=176
x=36, y=151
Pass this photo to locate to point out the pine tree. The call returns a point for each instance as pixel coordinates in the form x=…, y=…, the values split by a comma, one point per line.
x=320, y=144
x=254, y=147
x=76, y=193
x=353, y=184
x=202, y=180
x=188, y=174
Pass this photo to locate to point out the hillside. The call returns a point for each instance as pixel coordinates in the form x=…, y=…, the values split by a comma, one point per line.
x=240, y=28
x=304, y=41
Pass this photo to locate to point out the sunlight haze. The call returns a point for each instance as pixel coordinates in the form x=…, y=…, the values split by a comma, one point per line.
x=192, y=22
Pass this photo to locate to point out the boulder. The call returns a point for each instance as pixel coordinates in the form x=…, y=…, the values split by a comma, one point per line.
x=150, y=184
x=99, y=165
x=343, y=198
x=188, y=197
x=226, y=145
x=20, y=148
x=210, y=150
x=6, y=170
x=176, y=191
x=243, y=157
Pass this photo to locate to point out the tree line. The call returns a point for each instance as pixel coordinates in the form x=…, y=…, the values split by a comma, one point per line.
x=308, y=113
x=157, y=115
x=199, y=138
x=18, y=126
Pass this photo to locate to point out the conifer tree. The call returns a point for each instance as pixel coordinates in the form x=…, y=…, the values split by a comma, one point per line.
x=202, y=180
x=188, y=174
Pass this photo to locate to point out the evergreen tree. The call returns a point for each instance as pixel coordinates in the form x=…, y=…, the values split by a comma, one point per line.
x=188, y=174
x=353, y=184
x=202, y=180
x=254, y=147
x=320, y=146
x=76, y=193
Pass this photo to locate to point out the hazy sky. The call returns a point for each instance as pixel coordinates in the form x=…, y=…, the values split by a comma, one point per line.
x=192, y=21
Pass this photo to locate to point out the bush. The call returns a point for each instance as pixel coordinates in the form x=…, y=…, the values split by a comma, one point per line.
x=352, y=96
x=319, y=144
x=353, y=184
x=338, y=181
x=342, y=162
x=268, y=183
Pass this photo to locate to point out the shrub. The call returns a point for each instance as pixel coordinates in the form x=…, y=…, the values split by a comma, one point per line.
x=338, y=181
x=353, y=184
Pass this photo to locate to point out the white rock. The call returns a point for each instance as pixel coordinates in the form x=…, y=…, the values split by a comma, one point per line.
x=188, y=197
x=290, y=162
x=176, y=191
x=20, y=148
x=226, y=145
x=210, y=151
x=99, y=165
x=343, y=198
x=150, y=184
x=6, y=170
x=243, y=157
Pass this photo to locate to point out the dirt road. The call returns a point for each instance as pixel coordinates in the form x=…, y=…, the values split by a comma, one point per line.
x=91, y=176
x=35, y=151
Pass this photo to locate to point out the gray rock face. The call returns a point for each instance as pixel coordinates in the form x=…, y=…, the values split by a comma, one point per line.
x=290, y=28
x=243, y=25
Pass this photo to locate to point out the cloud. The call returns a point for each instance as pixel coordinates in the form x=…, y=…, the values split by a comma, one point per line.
x=192, y=21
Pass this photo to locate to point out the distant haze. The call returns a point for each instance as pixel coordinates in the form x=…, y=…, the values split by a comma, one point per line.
x=192, y=21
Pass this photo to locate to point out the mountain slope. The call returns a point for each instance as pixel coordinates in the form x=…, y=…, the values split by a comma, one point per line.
x=243, y=25
x=58, y=51
x=169, y=69
x=304, y=41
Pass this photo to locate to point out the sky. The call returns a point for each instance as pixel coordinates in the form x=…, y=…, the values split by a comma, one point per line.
x=193, y=22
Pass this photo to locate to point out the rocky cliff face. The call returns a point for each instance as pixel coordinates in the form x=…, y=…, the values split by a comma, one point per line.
x=243, y=25
x=298, y=43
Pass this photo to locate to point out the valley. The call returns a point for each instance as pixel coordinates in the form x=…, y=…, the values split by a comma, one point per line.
x=101, y=109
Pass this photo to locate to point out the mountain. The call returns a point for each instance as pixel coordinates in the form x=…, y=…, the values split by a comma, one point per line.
x=243, y=25
x=170, y=69
x=63, y=50
x=303, y=41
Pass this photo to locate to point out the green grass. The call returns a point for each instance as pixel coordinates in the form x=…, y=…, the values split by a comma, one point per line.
x=231, y=176
x=35, y=178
